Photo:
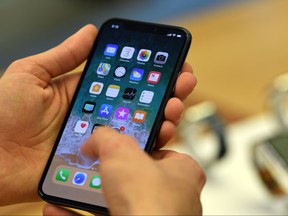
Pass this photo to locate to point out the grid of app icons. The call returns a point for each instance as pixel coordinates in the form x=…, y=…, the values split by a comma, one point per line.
x=136, y=73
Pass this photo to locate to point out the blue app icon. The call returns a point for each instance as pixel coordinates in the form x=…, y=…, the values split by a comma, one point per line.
x=79, y=178
x=105, y=110
x=110, y=49
x=136, y=74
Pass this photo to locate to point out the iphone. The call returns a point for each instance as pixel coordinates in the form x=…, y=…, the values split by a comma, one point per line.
x=128, y=79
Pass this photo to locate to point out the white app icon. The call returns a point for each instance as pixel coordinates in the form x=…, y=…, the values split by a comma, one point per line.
x=120, y=71
x=127, y=52
x=112, y=90
x=144, y=55
x=161, y=57
x=81, y=127
x=96, y=88
x=146, y=96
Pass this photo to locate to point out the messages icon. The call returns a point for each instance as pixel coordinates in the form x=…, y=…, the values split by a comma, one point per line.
x=95, y=182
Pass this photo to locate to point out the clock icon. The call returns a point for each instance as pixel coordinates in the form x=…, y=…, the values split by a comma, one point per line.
x=120, y=71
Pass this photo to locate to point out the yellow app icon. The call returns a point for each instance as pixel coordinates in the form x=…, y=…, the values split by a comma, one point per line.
x=112, y=91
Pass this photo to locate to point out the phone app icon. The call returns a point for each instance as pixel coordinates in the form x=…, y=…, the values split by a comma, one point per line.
x=122, y=113
x=62, y=175
x=81, y=127
x=105, y=110
x=79, y=178
x=129, y=93
x=146, y=96
x=127, y=52
x=153, y=77
x=120, y=71
x=96, y=88
x=161, y=57
x=88, y=107
x=111, y=49
x=112, y=91
x=103, y=69
x=136, y=74
x=139, y=116
x=144, y=55
x=95, y=182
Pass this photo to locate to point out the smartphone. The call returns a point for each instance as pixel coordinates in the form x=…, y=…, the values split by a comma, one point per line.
x=270, y=158
x=128, y=79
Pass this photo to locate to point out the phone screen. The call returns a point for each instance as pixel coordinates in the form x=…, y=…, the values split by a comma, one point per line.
x=128, y=78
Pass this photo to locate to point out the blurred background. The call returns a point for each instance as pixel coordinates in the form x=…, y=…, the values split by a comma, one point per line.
x=239, y=47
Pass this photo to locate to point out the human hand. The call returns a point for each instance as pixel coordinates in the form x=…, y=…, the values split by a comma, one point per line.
x=35, y=93
x=133, y=183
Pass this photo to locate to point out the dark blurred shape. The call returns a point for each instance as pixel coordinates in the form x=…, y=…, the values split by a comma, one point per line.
x=31, y=26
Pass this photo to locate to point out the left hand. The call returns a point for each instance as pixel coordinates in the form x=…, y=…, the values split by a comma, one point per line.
x=35, y=93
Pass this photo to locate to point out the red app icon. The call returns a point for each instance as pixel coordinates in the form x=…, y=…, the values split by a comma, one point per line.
x=153, y=77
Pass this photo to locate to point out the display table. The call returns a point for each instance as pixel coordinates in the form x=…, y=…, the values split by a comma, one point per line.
x=233, y=186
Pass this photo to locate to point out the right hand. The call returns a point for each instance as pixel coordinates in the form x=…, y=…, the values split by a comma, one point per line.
x=170, y=183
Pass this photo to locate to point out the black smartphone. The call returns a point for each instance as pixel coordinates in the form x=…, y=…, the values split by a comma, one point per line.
x=126, y=83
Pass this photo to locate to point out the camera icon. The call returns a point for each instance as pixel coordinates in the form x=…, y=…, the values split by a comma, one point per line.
x=161, y=58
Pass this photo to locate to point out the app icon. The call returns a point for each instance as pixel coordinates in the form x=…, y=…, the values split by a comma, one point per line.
x=144, y=55
x=112, y=90
x=139, y=116
x=88, y=107
x=96, y=88
x=129, y=93
x=153, y=77
x=103, y=69
x=95, y=182
x=81, y=127
x=127, y=52
x=136, y=74
x=95, y=126
x=146, y=96
x=120, y=71
x=62, y=175
x=105, y=110
x=122, y=113
x=161, y=58
x=110, y=50
x=79, y=178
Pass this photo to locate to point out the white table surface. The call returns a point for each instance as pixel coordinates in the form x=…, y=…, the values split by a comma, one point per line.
x=233, y=187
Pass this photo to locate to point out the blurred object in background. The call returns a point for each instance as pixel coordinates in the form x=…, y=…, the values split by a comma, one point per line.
x=202, y=133
x=279, y=100
x=271, y=161
x=236, y=52
x=32, y=26
x=270, y=155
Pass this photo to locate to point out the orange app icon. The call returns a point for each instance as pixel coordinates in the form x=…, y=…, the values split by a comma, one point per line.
x=139, y=116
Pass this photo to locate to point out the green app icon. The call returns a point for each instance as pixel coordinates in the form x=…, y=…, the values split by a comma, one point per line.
x=95, y=182
x=62, y=175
